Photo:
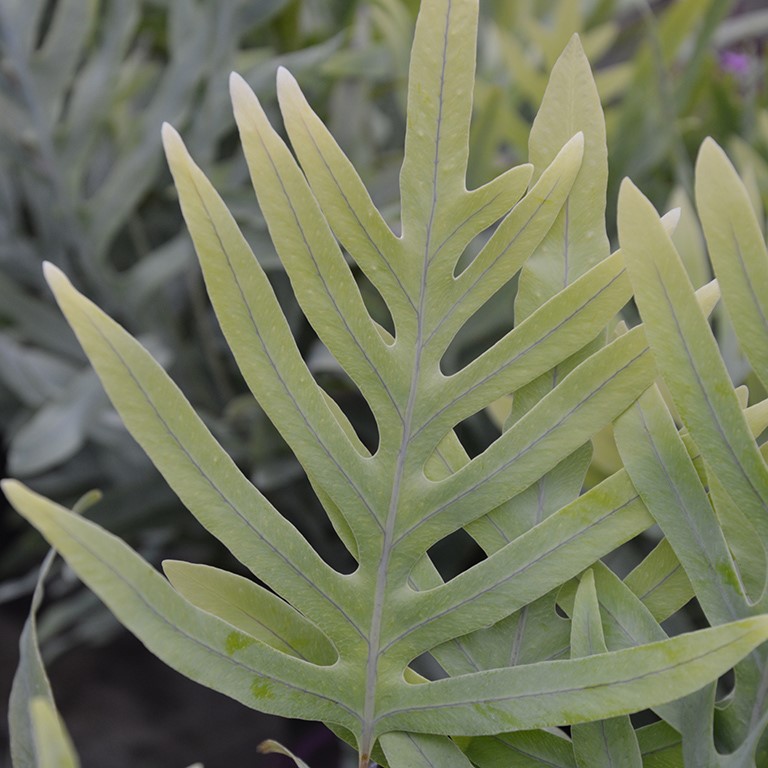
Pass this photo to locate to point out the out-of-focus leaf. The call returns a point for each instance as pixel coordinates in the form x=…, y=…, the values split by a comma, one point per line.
x=33, y=375
x=689, y=240
x=272, y=747
x=57, y=431
x=30, y=682
x=57, y=58
x=53, y=747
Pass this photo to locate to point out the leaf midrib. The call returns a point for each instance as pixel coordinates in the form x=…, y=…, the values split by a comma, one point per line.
x=555, y=691
x=374, y=640
x=714, y=414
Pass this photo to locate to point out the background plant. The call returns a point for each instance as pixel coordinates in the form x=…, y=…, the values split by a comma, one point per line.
x=85, y=86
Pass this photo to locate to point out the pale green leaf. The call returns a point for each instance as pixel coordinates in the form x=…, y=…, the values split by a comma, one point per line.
x=195, y=643
x=348, y=207
x=513, y=241
x=193, y=463
x=30, y=681
x=272, y=747
x=606, y=743
x=660, y=745
x=537, y=502
x=251, y=608
x=53, y=747
x=321, y=278
x=748, y=550
x=338, y=648
x=534, y=633
x=688, y=357
x=663, y=474
x=575, y=691
x=738, y=251
x=561, y=327
x=441, y=79
x=689, y=239
x=660, y=582
x=522, y=749
x=262, y=341
x=696, y=722
x=408, y=750
x=596, y=391
x=626, y=622
x=574, y=247
x=578, y=240
x=549, y=554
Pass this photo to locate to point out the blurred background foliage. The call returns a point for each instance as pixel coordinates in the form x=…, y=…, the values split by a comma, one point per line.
x=84, y=88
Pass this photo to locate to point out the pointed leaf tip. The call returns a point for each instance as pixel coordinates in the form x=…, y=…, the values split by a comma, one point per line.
x=574, y=46
x=7, y=486
x=238, y=87
x=574, y=145
x=710, y=153
x=172, y=141
x=626, y=184
x=16, y=493
x=671, y=219
x=287, y=87
x=54, y=276
x=168, y=132
x=284, y=76
x=629, y=191
x=709, y=145
x=273, y=747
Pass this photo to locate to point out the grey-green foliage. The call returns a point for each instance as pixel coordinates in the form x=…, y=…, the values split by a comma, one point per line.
x=36, y=734
x=83, y=88
x=341, y=648
x=30, y=684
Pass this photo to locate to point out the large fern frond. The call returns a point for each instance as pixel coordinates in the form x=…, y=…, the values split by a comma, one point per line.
x=335, y=647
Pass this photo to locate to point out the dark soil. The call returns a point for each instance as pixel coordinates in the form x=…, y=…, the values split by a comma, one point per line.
x=126, y=709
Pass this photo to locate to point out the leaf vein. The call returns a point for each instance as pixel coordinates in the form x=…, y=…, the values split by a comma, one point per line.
x=510, y=461
x=215, y=487
x=297, y=408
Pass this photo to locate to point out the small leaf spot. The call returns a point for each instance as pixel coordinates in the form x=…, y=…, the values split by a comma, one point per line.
x=236, y=641
x=261, y=689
